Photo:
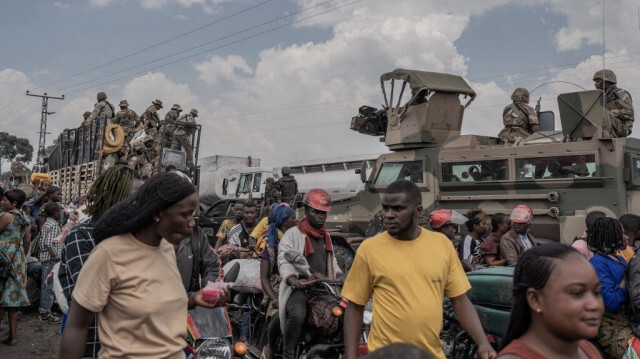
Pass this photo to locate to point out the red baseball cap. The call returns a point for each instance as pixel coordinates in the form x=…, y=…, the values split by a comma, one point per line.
x=318, y=199
x=521, y=214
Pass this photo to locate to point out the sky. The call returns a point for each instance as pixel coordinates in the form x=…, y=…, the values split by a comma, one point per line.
x=279, y=80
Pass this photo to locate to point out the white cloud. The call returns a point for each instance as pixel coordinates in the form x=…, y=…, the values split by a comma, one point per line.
x=61, y=5
x=222, y=68
x=100, y=3
x=585, y=24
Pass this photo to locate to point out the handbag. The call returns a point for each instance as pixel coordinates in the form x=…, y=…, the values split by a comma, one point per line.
x=5, y=268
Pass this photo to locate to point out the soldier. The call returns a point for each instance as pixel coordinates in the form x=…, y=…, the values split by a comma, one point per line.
x=166, y=129
x=19, y=171
x=184, y=129
x=287, y=185
x=271, y=196
x=619, y=103
x=150, y=120
x=102, y=107
x=139, y=161
x=128, y=120
x=520, y=119
x=86, y=115
x=151, y=152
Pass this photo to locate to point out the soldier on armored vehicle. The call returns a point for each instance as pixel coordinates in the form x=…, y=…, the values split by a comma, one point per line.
x=619, y=103
x=520, y=119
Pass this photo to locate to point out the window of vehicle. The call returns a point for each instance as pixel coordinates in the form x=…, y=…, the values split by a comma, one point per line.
x=635, y=170
x=244, y=184
x=575, y=166
x=475, y=171
x=219, y=209
x=257, y=180
x=393, y=171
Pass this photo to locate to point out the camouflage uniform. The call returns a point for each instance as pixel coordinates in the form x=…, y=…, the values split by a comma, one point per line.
x=167, y=129
x=140, y=163
x=150, y=120
x=518, y=118
x=288, y=186
x=128, y=120
x=152, y=153
x=182, y=134
x=102, y=107
x=619, y=103
x=19, y=171
x=620, y=108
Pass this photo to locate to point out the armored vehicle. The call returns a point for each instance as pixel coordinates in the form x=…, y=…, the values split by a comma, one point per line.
x=561, y=175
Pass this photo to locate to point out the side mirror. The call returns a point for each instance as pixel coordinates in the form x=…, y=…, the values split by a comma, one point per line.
x=225, y=185
x=362, y=171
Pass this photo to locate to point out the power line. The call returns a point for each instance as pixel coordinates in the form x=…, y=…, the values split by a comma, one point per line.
x=157, y=44
x=207, y=43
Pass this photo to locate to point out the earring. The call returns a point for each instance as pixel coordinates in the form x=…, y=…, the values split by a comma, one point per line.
x=538, y=310
x=156, y=218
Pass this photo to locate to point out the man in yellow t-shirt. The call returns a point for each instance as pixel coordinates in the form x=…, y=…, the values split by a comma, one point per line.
x=407, y=270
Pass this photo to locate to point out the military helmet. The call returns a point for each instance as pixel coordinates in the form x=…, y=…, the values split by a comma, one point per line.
x=102, y=96
x=605, y=75
x=318, y=199
x=269, y=180
x=18, y=158
x=194, y=112
x=86, y=114
x=286, y=170
x=520, y=94
x=157, y=102
x=176, y=107
x=124, y=103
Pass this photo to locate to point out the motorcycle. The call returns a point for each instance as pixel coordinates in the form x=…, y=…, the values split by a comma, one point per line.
x=491, y=296
x=209, y=335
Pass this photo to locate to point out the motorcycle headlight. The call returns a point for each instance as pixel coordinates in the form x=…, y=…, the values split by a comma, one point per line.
x=214, y=349
x=367, y=317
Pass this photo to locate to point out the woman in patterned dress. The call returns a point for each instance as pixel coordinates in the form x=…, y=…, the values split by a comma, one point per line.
x=14, y=234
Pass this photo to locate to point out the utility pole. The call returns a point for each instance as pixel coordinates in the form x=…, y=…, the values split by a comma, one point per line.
x=43, y=126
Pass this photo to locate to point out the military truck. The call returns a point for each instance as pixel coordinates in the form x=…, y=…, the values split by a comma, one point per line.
x=561, y=175
x=80, y=154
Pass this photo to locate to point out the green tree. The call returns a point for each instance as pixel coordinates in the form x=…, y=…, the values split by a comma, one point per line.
x=12, y=146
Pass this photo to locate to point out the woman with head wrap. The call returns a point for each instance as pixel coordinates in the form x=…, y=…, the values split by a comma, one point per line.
x=281, y=218
x=131, y=278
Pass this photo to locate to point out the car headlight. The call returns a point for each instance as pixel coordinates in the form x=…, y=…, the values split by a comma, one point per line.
x=367, y=317
x=214, y=349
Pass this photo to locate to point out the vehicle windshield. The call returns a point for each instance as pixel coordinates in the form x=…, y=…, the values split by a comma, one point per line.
x=576, y=166
x=393, y=171
x=475, y=171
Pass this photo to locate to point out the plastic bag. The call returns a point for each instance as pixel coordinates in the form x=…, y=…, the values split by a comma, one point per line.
x=248, y=279
x=213, y=291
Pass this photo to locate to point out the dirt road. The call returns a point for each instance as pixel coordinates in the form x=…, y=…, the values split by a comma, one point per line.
x=35, y=338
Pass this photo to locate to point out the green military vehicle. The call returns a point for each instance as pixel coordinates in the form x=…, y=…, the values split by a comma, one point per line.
x=561, y=175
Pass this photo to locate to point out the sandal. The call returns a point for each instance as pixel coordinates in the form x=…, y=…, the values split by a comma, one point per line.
x=9, y=342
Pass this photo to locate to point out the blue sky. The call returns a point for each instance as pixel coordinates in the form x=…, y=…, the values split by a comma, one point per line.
x=288, y=95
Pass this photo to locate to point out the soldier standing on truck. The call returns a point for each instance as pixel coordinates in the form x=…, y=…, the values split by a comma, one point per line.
x=619, y=103
x=152, y=153
x=128, y=120
x=102, y=107
x=86, y=115
x=184, y=129
x=166, y=128
x=150, y=120
x=19, y=172
x=287, y=185
x=140, y=163
x=520, y=120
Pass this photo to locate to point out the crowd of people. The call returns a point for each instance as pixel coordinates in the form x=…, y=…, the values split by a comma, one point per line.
x=134, y=261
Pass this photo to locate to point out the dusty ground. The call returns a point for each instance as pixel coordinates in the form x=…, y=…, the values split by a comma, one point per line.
x=35, y=338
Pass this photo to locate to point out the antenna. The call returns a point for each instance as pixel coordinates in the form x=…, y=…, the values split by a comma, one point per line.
x=43, y=126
